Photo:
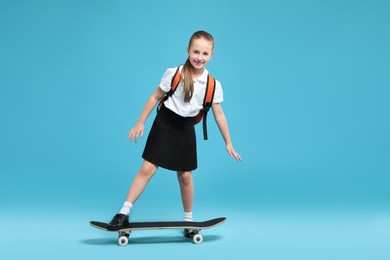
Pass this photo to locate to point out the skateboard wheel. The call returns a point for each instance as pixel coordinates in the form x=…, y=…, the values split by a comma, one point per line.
x=198, y=238
x=123, y=240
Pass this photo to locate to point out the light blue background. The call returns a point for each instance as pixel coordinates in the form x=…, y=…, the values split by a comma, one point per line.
x=306, y=87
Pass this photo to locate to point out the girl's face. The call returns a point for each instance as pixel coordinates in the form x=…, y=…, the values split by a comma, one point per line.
x=199, y=53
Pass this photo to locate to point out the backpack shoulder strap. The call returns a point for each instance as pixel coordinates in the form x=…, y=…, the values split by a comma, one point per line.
x=175, y=81
x=208, y=102
x=210, y=90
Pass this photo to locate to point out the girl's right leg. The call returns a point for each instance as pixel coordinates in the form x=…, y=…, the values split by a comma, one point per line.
x=137, y=187
x=140, y=181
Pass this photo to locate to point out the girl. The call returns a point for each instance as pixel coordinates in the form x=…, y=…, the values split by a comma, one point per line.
x=171, y=143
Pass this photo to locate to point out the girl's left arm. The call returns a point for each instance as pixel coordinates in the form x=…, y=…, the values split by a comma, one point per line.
x=221, y=121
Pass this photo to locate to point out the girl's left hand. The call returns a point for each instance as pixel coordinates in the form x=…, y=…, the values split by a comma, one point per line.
x=138, y=130
x=233, y=153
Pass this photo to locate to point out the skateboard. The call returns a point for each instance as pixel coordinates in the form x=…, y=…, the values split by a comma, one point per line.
x=192, y=228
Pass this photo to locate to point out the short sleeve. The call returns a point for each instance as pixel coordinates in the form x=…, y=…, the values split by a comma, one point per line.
x=165, y=83
x=218, y=94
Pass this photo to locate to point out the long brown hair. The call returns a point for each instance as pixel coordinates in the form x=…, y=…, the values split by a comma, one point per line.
x=187, y=67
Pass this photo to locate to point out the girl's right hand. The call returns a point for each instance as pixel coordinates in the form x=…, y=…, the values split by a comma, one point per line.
x=137, y=130
x=233, y=153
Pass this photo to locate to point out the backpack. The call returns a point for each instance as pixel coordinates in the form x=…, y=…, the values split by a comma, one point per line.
x=207, y=101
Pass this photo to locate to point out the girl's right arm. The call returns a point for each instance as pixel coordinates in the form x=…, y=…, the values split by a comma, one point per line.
x=138, y=129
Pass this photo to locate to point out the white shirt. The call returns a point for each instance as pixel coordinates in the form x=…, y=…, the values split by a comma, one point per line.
x=176, y=101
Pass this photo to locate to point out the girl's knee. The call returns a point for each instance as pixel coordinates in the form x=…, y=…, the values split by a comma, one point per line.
x=148, y=169
x=185, y=177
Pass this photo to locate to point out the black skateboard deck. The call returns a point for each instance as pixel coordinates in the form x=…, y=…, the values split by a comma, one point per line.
x=194, y=228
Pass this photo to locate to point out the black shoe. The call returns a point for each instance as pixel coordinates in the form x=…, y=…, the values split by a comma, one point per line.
x=118, y=222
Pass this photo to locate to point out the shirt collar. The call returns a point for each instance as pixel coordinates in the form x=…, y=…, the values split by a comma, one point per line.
x=203, y=77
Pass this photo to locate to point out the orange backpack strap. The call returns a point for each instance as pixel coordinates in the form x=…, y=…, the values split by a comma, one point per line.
x=210, y=90
x=174, y=83
x=208, y=102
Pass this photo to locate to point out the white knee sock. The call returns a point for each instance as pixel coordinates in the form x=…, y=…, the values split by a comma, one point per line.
x=126, y=208
x=188, y=216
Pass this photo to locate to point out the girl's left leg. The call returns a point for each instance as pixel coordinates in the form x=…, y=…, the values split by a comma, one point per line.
x=187, y=193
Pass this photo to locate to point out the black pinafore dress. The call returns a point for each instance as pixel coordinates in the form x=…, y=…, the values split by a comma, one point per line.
x=171, y=143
